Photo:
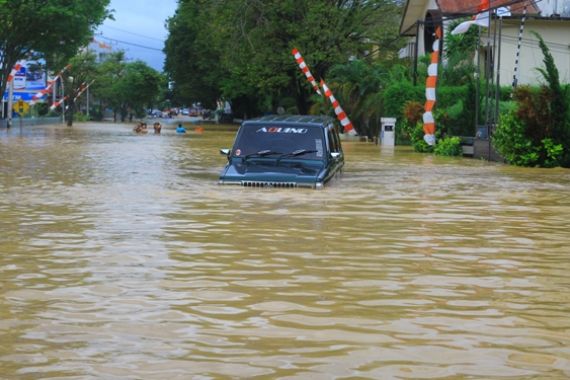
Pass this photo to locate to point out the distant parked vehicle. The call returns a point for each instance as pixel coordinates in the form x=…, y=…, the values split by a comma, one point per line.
x=155, y=113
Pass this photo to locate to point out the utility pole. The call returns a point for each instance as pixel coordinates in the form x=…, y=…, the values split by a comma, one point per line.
x=62, y=100
x=87, y=102
x=54, y=91
x=10, y=102
x=416, y=48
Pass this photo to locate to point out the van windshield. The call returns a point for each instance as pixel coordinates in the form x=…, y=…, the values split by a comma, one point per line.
x=252, y=139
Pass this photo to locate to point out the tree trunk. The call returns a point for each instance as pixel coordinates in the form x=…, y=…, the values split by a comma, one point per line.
x=69, y=113
x=301, y=98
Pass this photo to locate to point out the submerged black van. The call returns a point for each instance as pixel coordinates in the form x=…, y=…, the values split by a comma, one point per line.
x=284, y=151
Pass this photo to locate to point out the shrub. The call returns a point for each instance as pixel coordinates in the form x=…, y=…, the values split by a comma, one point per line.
x=398, y=94
x=42, y=108
x=80, y=117
x=448, y=95
x=559, y=110
x=448, y=146
x=96, y=113
x=553, y=153
x=511, y=142
x=413, y=112
x=417, y=138
x=537, y=131
x=456, y=106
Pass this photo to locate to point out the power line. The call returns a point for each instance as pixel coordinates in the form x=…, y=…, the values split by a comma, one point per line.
x=130, y=43
x=133, y=33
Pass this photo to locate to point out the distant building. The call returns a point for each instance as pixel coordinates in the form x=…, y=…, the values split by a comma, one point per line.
x=102, y=50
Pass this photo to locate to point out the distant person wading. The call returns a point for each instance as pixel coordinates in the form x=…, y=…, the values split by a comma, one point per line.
x=180, y=129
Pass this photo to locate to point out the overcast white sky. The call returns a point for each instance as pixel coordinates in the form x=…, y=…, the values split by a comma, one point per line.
x=138, y=29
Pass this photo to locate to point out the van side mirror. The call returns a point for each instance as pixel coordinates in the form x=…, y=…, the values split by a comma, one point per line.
x=335, y=155
x=225, y=152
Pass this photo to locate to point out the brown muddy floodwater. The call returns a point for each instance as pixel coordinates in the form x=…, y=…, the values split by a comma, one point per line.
x=121, y=258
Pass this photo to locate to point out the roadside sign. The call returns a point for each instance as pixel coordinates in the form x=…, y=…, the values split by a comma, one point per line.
x=21, y=107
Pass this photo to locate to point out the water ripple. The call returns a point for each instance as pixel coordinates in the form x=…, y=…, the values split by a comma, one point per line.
x=121, y=258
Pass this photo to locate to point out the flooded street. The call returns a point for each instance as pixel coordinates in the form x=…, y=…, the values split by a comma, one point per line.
x=121, y=258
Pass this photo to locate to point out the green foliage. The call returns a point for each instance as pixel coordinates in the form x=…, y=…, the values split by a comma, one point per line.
x=193, y=57
x=448, y=146
x=449, y=95
x=127, y=88
x=417, y=138
x=459, y=53
x=553, y=153
x=511, y=142
x=52, y=29
x=96, y=113
x=357, y=85
x=537, y=131
x=241, y=51
x=42, y=109
x=413, y=112
x=80, y=74
x=559, y=108
x=397, y=94
x=80, y=117
x=456, y=109
x=506, y=93
x=464, y=44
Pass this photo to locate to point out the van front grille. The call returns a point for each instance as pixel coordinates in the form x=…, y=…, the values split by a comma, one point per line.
x=268, y=184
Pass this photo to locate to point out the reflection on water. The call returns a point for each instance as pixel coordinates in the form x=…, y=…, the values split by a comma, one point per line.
x=121, y=258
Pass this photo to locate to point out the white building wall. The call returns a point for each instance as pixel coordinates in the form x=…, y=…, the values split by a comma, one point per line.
x=555, y=33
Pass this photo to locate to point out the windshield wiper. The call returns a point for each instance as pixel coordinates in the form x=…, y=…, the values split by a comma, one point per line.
x=261, y=153
x=296, y=153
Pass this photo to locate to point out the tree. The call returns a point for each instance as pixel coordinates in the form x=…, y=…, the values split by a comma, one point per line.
x=459, y=56
x=137, y=89
x=558, y=107
x=128, y=88
x=107, y=77
x=192, y=55
x=247, y=46
x=45, y=27
x=358, y=86
x=80, y=75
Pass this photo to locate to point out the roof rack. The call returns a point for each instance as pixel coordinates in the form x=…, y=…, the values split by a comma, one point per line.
x=293, y=119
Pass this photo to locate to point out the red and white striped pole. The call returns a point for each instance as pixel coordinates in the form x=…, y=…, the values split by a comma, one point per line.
x=58, y=103
x=84, y=86
x=13, y=72
x=340, y=114
x=305, y=69
x=431, y=83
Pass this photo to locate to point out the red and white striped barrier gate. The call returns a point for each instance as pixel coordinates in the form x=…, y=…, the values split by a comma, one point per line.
x=305, y=69
x=340, y=114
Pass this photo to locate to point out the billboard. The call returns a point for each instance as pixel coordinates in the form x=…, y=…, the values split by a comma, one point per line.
x=28, y=80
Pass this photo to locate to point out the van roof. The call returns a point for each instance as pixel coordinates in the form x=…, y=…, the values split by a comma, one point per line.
x=313, y=120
